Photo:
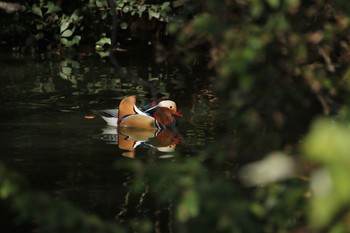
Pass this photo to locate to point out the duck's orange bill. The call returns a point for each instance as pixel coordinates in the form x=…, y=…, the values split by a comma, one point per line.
x=89, y=117
x=177, y=114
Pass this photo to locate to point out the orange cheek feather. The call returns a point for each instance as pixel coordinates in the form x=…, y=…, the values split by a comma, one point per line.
x=164, y=117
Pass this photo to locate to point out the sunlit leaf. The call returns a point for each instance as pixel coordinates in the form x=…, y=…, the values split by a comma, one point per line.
x=165, y=6
x=39, y=36
x=142, y=8
x=188, y=206
x=76, y=39
x=64, y=26
x=103, y=41
x=66, y=70
x=126, y=9
x=39, y=26
x=64, y=41
x=124, y=25
x=52, y=8
x=37, y=10
x=328, y=143
x=153, y=14
x=74, y=16
x=273, y=3
x=67, y=33
x=256, y=9
x=6, y=189
x=101, y=3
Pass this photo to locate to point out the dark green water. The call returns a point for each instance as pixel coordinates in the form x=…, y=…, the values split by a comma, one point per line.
x=45, y=137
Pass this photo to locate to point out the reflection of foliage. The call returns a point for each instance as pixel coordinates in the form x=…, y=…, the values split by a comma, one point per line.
x=66, y=70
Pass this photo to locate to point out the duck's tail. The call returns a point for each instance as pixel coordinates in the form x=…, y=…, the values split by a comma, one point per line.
x=109, y=115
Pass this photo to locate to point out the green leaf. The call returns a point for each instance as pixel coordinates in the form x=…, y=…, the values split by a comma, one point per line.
x=99, y=3
x=52, y=8
x=64, y=62
x=64, y=41
x=328, y=143
x=76, y=39
x=126, y=9
x=273, y=3
x=124, y=25
x=256, y=9
x=189, y=206
x=74, y=17
x=39, y=36
x=64, y=26
x=142, y=8
x=67, y=70
x=39, y=26
x=37, y=10
x=153, y=14
x=104, y=40
x=67, y=33
x=154, y=7
x=165, y=6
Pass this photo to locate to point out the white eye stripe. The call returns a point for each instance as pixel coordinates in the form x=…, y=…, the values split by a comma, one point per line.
x=167, y=104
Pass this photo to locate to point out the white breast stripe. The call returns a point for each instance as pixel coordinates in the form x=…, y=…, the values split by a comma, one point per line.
x=151, y=108
x=138, y=111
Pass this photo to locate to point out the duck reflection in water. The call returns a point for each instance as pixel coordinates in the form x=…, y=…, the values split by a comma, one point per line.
x=129, y=139
x=154, y=126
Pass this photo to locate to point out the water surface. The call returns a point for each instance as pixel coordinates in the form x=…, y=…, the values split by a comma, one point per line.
x=46, y=137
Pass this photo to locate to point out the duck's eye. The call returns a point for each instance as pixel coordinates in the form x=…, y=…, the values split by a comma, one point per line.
x=171, y=107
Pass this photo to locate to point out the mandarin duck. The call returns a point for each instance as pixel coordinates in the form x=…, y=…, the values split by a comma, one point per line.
x=158, y=116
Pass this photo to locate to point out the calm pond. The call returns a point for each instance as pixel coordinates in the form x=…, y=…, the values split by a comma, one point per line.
x=46, y=135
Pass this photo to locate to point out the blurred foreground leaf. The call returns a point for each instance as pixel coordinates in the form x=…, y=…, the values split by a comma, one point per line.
x=53, y=215
x=328, y=143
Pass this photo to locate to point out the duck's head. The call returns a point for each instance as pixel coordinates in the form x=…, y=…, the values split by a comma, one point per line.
x=170, y=105
x=164, y=115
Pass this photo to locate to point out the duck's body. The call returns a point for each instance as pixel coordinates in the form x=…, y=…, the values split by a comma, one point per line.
x=130, y=116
